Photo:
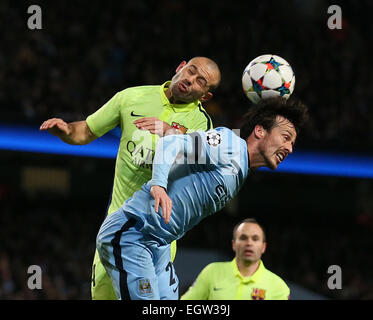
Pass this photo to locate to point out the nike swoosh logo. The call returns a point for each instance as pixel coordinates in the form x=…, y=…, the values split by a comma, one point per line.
x=216, y=289
x=136, y=115
x=174, y=290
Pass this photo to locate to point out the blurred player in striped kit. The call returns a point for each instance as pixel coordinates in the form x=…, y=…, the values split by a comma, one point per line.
x=144, y=113
x=194, y=175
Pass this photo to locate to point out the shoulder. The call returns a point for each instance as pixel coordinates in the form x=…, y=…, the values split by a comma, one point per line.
x=133, y=94
x=217, y=268
x=200, y=114
x=200, y=110
x=227, y=137
x=223, y=130
x=228, y=132
x=275, y=280
x=140, y=89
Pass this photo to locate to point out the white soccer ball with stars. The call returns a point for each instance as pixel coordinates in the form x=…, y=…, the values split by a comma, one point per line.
x=268, y=76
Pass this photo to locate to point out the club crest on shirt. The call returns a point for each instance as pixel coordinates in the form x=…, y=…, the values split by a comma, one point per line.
x=213, y=138
x=144, y=286
x=258, y=294
x=178, y=126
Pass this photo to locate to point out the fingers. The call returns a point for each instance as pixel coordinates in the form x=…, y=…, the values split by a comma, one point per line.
x=149, y=126
x=166, y=206
x=146, y=120
x=63, y=127
x=154, y=125
x=164, y=211
x=156, y=204
x=54, y=122
x=162, y=199
x=155, y=194
x=169, y=211
x=48, y=123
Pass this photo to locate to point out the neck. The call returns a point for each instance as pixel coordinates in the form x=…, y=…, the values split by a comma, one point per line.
x=169, y=95
x=255, y=157
x=172, y=99
x=247, y=268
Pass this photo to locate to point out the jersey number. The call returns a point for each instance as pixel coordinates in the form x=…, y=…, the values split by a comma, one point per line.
x=172, y=279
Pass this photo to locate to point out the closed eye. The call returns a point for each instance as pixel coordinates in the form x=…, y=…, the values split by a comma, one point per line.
x=201, y=82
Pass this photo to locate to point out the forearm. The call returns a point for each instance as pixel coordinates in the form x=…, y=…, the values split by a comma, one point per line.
x=164, y=157
x=184, y=148
x=167, y=150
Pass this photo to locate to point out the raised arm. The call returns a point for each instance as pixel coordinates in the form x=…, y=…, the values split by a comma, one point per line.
x=167, y=151
x=77, y=133
x=96, y=125
x=169, y=148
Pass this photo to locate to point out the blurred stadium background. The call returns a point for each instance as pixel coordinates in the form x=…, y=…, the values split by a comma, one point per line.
x=52, y=204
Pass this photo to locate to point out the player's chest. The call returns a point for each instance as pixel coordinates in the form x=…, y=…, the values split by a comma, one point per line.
x=224, y=289
x=237, y=290
x=178, y=120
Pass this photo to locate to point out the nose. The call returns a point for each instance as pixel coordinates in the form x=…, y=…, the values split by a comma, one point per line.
x=289, y=147
x=188, y=82
x=249, y=242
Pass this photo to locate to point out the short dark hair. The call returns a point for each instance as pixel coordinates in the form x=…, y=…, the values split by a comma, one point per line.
x=265, y=112
x=249, y=220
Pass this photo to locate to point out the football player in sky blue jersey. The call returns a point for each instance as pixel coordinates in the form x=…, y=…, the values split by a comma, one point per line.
x=194, y=175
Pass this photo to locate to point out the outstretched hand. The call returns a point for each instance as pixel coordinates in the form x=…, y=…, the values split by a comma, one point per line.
x=56, y=127
x=161, y=198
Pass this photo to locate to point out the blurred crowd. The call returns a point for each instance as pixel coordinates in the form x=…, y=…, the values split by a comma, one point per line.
x=88, y=51
x=59, y=236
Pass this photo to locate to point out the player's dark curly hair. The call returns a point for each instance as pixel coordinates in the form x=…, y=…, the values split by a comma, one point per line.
x=265, y=112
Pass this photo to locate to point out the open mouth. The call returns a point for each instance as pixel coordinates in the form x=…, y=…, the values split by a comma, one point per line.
x=280, y=156
x=249, y=252
x=182, y=87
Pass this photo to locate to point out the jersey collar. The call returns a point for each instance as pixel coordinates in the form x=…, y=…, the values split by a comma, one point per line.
x=254, y=278
x=175, y=106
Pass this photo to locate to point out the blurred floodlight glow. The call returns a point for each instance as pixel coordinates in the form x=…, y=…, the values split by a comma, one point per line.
x=30, y=139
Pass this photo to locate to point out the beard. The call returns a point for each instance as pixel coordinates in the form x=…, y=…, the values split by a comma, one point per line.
x=270, y=162
x=180, y=97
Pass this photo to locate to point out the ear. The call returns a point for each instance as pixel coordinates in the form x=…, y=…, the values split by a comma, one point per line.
x=259, y=131
x=181, y=65
x=206, y=97
x=233, y=245
x=264, y=247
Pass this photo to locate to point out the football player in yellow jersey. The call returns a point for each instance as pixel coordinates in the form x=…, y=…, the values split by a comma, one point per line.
x=243, y=278
x=144, y=113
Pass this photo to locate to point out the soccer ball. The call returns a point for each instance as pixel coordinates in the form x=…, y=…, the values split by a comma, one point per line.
x=268, y=76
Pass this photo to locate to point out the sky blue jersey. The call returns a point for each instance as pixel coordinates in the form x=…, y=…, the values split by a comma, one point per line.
x=201, y=172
